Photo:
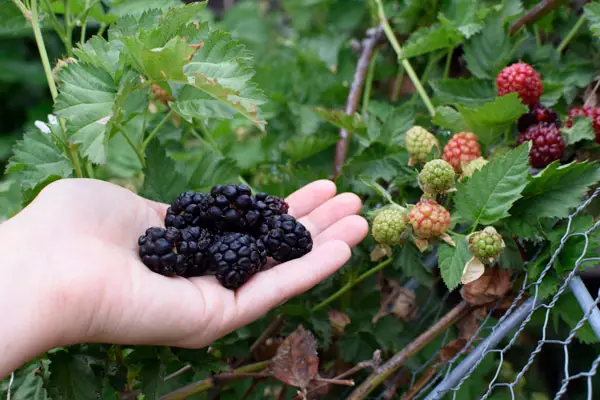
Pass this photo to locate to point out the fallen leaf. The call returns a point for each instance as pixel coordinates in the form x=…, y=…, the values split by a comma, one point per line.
x=296, y=362
x=468, y=325
x=492, y=285
x=338, y=321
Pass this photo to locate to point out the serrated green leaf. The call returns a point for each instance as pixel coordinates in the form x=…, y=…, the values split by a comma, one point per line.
x=159, y=63
x=468, y=92
x=379, y=162
x=28, y=384
x=489, y=51
x=452, y=260
x=72, y=377
x=556, y=190
x=399, y=121
x=490, y=120
x=303, y=147
x=14, y=23
x=351, y=123
x=221, y=68
x=582, y=129
x=488, y=195
x=162, y=180
x=38, y=160
x=431, y=38
x=449, y=118
x=100, y=53
x=592, y=13
x=410, y=261
x=511, y=256
x=211, y=168
x=86, y=101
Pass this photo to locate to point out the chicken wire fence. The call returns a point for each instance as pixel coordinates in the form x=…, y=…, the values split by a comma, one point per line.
x=498, y=339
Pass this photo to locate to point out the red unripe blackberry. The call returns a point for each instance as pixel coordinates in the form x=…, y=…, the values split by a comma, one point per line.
x=461, y=149
x=589, y=112
x=429, y=219
x=522, y=79
x=547, y=144
x=537, y=113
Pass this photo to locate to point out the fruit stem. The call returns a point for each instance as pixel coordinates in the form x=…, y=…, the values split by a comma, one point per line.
x=351, y=284
x=448, y=62
x=138, y=152
x=571, y=34
x=155, y=131
x=389, y=33
x=369, y=83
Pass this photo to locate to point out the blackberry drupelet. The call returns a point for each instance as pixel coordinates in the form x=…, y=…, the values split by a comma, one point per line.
x=233, y=208
x=193, y=248
x=188, y=209
x=236, y=257
x=286, y=239
x=268, y=205
x=158, y=250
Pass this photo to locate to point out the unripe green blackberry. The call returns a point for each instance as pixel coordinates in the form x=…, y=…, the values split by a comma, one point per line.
x=437, y=176
x=389, y=226
x=419, y=143
x=486, y=245
x=475, y=165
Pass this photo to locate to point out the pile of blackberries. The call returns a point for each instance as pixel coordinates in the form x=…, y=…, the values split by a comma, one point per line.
x=228, y=233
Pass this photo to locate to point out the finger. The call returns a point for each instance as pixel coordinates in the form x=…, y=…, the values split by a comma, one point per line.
x=309, y=197
x=270, y=288
x=330, y=212
x=351, y=230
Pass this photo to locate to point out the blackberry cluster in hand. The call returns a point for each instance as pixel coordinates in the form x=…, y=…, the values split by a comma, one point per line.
x=228, y=233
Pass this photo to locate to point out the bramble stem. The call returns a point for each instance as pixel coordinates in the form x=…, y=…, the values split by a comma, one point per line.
x=571, y=34
x=23, y=9
x=389, y=33
x=39, y=40
x=448, y=62
x=369, y=83
x=155, y=130
x=351, y=284
x=68, y=29
x=382, y=373
x=138, y=152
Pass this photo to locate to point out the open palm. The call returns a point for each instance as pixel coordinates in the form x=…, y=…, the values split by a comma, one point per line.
x=102, y=291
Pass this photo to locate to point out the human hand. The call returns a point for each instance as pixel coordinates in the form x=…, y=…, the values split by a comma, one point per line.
x=92, y=287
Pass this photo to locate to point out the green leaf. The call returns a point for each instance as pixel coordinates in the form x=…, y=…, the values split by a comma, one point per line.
x=511, y=256
x=431, y=38
x=138, y=7
x=452, y=260
x=399, y=121
x=303, y=147
x=39, y=160
x=592, y=13
x=212, y=168
x=488, y=195
x=221, y=68
x=351, y=123
x=576, y=247
x=72, y=377
x=162, y=180
x=491, y=119
x=410, y=261
x=159, y=63
x=556, y=190
x=28, y=384
x=567, y=308
x=449, y=118
x=468, y=92
x=86, y=102
x=582, y=129
x=379, y=162
x=101, y=54
x=489, y=51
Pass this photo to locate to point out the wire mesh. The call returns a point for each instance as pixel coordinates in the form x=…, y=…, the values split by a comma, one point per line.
x=496, y=339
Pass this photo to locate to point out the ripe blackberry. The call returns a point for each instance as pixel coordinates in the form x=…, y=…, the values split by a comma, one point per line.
x=547, y=144
x=188, y=209
x=285, y=238
x=236, y=257
x=268, y=205
x=193, y=247
x=233, y=208
x=589, y=112
x=158, y=250
x=419, y=143
x=537, y=113
x=520, y=78
x=461, y=149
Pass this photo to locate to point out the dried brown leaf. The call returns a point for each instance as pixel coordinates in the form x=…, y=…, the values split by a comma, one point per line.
x=492, y=285
x=268, y=349
x=450, y=350
x=296, y=362
x=338, y=321
x=469, y=324
x=401, y=303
